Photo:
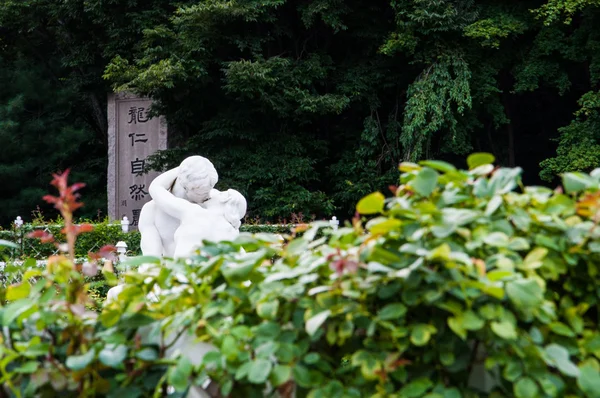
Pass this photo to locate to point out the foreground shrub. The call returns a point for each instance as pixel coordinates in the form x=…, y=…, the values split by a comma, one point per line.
x=460, y=287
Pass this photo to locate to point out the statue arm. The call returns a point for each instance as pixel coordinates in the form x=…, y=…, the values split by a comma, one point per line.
x=165, y=200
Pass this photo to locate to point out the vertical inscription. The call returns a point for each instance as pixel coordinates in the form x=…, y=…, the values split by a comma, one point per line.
x=133, y=136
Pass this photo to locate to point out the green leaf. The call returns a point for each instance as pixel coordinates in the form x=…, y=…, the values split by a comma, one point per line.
x=384, y=227
x=28, y=367
x=504, y=329
x=420, y=335
x=455, y=324
x=589, y=380
x=302, y=376
x=425, y=181
x=576, y=182
x=147, y=354
x=13, y=310
x=438, y=165
x=79, y=362
x=525, y=293
x=18, y=291
x=268, y=330
x=109, y=317
x=259, y=371
x=226, y=388
x=496, y=239
x=479, y=159
x=243, y=370
x=268, y=310
x=558, y=356
x=535, y=258
x=229, y=348
x=407, y=167
x=526, y=388
x=139, y=260
x=236, y=273
x=280, y=374
x=447, y=358
x=312, y=358
x=179, y=376
x=416, y=388
x=499, y=275
x=493, y=205
x=392, y=312
x=513, y=371
x=113, y=356
x=314, y=323
x=111, y=278
x=471, y=321
x=370, y=369
x=561, y=329
x=6, y=243
x=371, y=204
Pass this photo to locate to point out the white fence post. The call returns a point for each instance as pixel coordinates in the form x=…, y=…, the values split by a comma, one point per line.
x=18, y=222
x=122, y=250
x=125, y=224
x=334, y=222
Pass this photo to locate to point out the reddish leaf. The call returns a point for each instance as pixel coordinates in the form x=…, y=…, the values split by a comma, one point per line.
x=89, y=268
x=44, y=236
x=108, y=252
x=77, y=186
x=85, y=228
x=60, y=180
x=51, y=199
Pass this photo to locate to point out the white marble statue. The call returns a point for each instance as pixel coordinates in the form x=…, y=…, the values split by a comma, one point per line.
x=217, y=219
x=185, y=210
x=193, y=183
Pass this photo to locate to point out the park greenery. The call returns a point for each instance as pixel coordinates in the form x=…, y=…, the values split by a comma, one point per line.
x=303, y=106
x=456, y=275
x=103, y=233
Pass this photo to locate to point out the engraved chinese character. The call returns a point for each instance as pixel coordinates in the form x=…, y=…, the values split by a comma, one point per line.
x=136, y=217
x=137, y=166
x=137, y=115
x=123, y=203
x=138, y=192
x=134, y=137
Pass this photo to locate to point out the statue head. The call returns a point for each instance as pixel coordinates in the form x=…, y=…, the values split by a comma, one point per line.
x=230, y=203
x=197, y=176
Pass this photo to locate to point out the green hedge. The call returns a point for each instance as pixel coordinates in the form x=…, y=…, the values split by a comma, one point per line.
x=103, y=234
x=458, y=286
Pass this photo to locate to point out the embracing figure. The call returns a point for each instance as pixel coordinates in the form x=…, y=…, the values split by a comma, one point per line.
x=186, y=210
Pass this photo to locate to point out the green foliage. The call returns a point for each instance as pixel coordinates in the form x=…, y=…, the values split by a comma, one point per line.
x=491, y=31
x=437, y=95
x=53, y=102
x=579, y=143
x=39, y=132
x=457, y=275
x=556, y=10
x=102, y=234
x=303, y=106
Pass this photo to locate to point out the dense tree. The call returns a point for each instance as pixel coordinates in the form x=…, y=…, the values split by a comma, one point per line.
x=53, y=98
x=307, y=106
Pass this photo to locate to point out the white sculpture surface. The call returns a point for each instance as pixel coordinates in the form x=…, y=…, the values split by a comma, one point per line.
x=217, y=219
x=193, y=182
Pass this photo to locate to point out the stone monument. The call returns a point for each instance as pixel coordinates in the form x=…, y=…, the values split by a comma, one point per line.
x=132, y=137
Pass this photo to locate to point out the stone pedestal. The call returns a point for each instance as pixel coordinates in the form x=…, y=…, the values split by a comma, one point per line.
x=132, y=137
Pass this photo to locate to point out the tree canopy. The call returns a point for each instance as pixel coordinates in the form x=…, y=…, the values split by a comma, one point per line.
x=303, y=106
